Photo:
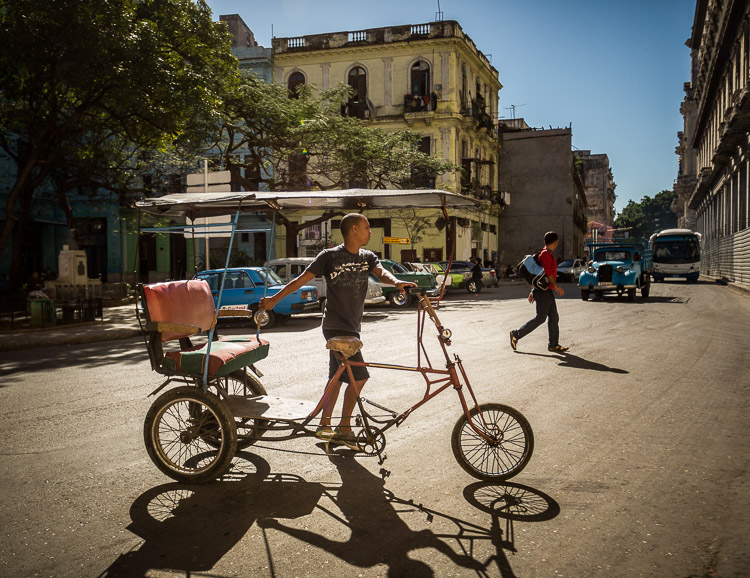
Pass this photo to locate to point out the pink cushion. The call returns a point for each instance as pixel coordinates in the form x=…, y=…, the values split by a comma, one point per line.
x=187, y=302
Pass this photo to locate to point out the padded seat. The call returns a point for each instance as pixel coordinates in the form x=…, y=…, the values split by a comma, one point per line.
x=178, y=309
x=346, y=345
x=226, y=356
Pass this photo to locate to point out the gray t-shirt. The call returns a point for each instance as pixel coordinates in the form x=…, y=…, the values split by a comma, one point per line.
x=346, y=285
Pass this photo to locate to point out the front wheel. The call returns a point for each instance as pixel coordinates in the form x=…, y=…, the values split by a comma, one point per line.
x=506, y=455
x=472, y=286
x=399, y=299
x=190, y=435
x=585, y=294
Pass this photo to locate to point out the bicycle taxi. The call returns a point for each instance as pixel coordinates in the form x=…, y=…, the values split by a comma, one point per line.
x=192, y=431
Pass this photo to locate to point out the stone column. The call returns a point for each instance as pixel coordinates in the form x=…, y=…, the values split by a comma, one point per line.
x=445, y=76
x=445, y=150
x=326, y=66
x=388, y=82
x=278, y=73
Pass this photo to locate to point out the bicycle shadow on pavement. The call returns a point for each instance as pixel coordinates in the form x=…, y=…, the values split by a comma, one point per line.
x=191, y=528
x=567, y=359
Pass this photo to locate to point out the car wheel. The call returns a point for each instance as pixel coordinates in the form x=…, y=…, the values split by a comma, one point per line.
x=398, y=299
x=266, y=318
x=322, y=304
x=585, y=294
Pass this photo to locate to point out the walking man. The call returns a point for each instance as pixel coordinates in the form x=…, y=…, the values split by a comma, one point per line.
x=476, y=275
x=546, y=307
x=345, y=268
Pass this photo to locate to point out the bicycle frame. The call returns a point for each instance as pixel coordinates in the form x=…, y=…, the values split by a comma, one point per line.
x=442, y=378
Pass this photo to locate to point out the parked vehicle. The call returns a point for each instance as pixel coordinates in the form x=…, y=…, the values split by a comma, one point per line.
x=570, y=270
x=290, y=267
x=425, y=280
x=489, y=277
x=618, y=266
x=438, y=273
x=677, y=253
x=244, y=287
x=458, y=279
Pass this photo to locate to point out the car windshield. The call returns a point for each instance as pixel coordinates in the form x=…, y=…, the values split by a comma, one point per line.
x=564, y=264
x=613, y=256
x=269, y=277
x=398, y=268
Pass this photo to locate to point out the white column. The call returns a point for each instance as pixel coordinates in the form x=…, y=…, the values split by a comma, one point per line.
x=326, y=66
x=388, y=81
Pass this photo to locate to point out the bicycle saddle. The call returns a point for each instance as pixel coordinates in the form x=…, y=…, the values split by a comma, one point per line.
x=346, y=345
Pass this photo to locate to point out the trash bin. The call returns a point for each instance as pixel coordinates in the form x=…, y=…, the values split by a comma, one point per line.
x=43, y=312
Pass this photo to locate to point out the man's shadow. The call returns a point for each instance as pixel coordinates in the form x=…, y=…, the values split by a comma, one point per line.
x=569, y=360
x=191, y=528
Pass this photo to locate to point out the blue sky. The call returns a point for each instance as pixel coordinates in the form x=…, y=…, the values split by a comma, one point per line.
x=613, y=70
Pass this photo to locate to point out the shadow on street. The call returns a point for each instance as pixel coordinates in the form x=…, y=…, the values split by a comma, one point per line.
x=190, y=528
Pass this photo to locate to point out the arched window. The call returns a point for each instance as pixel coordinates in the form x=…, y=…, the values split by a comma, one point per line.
x=295, y=79
x=358, y=102
x=419, y=82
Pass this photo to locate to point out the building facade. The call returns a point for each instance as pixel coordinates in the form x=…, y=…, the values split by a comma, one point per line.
x=715, y=145
x=599, y=185
x=428, y=78
x=544, y=192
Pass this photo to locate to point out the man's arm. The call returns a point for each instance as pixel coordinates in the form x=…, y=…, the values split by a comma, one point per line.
x=550, y=269
x=389, y=279
x=268, y=303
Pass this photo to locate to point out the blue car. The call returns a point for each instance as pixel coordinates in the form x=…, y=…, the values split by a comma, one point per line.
x=245, y=286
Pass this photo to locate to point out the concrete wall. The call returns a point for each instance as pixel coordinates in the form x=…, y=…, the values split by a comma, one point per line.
x=536, y=169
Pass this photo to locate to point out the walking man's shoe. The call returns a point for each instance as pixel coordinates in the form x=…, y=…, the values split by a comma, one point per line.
x=557, y=349
x=514, y=341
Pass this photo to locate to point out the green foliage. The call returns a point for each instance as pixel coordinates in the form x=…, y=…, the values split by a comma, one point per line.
x=305, y=142
x=85, y=84
x=648, y=216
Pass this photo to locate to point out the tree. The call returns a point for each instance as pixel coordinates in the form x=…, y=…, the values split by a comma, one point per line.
x=649, y=216
x=301, y=141
x=86, y=85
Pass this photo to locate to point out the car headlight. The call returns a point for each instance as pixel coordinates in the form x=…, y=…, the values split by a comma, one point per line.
x=619, y=269
x=591, y=269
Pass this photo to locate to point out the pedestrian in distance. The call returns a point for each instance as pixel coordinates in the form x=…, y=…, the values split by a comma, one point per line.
x=346, y=269
x=476, y=274
x=546, y=306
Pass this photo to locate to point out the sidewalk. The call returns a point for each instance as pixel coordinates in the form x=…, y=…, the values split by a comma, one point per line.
x=117, y=323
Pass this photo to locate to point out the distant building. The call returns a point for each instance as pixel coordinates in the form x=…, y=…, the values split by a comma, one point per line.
x=714, y=179
x=543, y=189
x=252, y=57
x=599, y=186
x=429, y=78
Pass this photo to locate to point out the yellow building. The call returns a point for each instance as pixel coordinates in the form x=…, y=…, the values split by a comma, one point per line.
x=432, y=79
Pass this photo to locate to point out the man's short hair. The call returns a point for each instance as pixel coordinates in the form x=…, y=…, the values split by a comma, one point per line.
x=348, y=221
x=550, y=237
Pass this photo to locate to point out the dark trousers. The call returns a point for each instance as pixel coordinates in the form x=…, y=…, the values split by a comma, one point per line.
x=546, y=310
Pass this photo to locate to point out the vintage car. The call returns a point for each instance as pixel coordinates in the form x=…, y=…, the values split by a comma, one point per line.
x=422, y=279
x=458, y=279
x=245, y=286
x=617, y=267
x=489, y=277
x=290, y=267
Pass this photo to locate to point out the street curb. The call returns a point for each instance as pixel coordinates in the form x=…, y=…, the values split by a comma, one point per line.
x=32, y=340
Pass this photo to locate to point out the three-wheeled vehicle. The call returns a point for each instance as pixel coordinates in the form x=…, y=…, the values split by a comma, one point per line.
x=192, y=431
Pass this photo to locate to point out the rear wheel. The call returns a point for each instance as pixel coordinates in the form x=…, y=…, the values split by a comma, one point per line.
x=471, y=286
x=190, y=435
x=506, y=455
x=246, y=384
x=646, y=288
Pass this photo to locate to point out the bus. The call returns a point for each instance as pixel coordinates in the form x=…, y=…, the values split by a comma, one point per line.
x=677, y=253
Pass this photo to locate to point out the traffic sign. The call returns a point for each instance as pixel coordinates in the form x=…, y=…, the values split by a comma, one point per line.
x=214, y=178
x=397, y=240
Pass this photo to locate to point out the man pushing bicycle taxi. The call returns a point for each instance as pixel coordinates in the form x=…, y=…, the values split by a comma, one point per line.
x=345, y=269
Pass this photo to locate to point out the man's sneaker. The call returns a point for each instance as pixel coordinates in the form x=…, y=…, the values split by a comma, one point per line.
x=513, y=340
x=324, y=433
x=558, y=349
x=347, y=439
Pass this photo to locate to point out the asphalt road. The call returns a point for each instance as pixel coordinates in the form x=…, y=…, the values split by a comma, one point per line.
x=640, y=465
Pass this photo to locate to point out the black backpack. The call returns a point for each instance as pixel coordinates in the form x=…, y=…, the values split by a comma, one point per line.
x=533, y=272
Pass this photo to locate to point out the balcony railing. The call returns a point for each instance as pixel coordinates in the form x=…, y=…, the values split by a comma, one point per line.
x=419, y=103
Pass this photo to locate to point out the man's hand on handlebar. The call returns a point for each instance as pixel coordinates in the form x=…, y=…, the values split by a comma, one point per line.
x=404, y=285
x=267, y=303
